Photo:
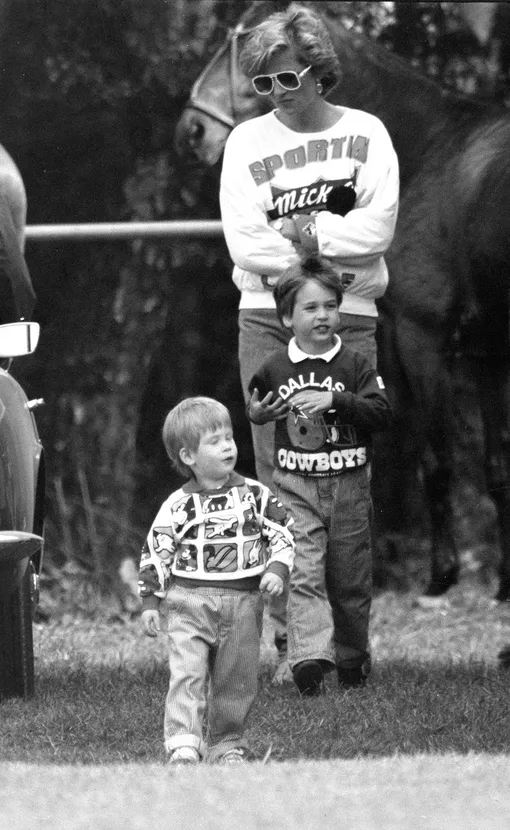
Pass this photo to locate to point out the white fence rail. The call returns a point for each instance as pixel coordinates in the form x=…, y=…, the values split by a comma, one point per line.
x=126, y=230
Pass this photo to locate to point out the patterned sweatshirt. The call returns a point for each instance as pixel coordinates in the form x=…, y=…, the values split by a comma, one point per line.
x=226, y=537
x=340, y=440
x=270, y=172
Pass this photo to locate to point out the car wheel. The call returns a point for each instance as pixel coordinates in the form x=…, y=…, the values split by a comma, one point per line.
x=16, y=641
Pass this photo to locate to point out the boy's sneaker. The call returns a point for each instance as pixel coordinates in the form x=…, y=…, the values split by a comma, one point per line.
x=351, y=678
x=232, y=756
x=184, y=755
x=309, y=678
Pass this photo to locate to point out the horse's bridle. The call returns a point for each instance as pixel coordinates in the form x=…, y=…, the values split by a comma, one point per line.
x=194, y=101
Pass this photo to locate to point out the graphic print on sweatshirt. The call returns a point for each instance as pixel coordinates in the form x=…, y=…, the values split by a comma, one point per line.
x=222, y=521
x=334, y=190
x=322, y=194
x=221, y=535
x=220, y=524
x=344, y=150
x=339, y=439
x=320, y=444
x=312, y=433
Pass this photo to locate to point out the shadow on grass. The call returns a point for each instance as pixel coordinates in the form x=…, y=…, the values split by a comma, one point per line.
x=100, y=715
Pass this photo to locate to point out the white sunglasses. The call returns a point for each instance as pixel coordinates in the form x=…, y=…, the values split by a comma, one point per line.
x=290, y=80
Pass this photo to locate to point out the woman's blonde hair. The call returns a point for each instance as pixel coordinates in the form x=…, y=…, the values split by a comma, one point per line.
x=299, y=29
x=187, y=422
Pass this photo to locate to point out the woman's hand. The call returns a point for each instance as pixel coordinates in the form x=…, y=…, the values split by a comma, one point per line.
x=300, y=229
x=263, y=411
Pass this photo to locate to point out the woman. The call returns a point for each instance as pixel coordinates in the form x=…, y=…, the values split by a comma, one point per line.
x=281, y=169
x=288, y=180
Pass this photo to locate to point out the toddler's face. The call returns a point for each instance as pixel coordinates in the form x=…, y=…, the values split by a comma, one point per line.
x=315, y=318
x=216, y=455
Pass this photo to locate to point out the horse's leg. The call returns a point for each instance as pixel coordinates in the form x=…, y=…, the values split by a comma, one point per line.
x=438, y=475
x=396, y=487
x=493, y=378
x=422, y=354
x=398, y=449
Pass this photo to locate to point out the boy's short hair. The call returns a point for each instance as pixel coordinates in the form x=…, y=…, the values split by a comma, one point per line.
x=187, y=422
x=313, y=268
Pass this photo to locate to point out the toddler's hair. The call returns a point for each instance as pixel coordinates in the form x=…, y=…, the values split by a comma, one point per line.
x=187, y=422
x=313, y=268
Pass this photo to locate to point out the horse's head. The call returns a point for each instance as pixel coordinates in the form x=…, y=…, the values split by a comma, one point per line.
x=221, y=96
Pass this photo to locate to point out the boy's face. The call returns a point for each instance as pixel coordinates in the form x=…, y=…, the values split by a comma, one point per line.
x=315, y=318
x=215, y=457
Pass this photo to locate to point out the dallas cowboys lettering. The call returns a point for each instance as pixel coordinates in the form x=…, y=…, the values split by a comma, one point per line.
x=340, y=440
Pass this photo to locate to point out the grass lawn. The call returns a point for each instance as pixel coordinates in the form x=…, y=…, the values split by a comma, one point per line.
x=430, y=733
x=400, y=793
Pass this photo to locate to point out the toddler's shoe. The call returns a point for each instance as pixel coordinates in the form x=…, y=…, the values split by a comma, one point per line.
x=184, y=755
x=232, y=756
x=309, y=678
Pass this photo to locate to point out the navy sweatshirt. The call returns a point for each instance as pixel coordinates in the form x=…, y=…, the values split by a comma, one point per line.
x=340, y=440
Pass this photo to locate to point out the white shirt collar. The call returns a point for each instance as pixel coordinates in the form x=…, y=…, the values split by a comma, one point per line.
x=296, y=355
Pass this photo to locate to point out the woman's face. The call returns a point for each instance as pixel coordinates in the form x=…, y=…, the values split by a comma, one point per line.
x=291, y=103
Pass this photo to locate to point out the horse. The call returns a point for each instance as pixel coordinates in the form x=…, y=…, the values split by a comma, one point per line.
x=448, y=262
x=17, y=296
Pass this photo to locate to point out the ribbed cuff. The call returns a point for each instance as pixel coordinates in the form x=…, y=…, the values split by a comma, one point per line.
x=280, y=569
x=150, y=603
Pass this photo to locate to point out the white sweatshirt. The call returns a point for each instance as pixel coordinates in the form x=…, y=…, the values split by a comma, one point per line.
x=270, y=172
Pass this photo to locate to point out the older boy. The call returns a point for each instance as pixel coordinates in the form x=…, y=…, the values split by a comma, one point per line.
x=214, y=547
x=327, y=401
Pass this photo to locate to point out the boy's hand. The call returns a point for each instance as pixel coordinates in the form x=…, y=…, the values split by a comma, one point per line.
x=263, y=411
x=313, y=403
x=150, y=623
x=272, y=584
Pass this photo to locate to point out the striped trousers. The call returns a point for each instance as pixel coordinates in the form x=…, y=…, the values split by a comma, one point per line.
x=214, y=645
